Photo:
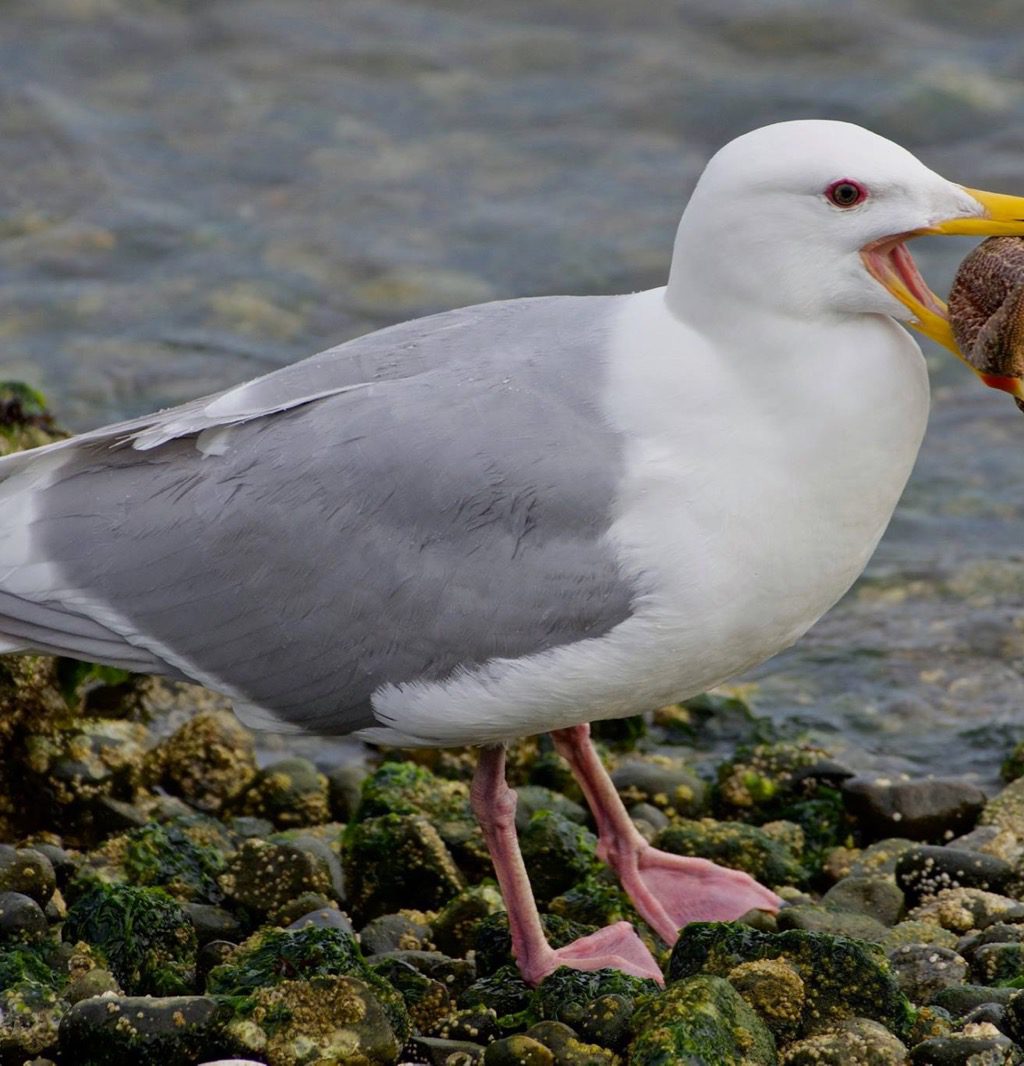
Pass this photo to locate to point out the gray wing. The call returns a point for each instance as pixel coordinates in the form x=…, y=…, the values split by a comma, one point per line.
x=423, y=499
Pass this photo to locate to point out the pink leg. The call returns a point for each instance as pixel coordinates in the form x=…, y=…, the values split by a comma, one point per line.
x=668, y=890
x=617, y=946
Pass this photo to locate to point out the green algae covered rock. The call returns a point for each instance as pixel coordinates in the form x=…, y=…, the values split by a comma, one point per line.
x=493, y=943
x=398, y=861
x=25, y=421
x=704, y=1020
x=166, y=856
x=736, y=845
x=271, y=956
x=566, y=994
x=454, y=929
x=557, y=852
x=842, y=978
x=145, y=937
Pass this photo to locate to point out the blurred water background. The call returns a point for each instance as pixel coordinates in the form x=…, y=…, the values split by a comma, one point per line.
x=193, y=192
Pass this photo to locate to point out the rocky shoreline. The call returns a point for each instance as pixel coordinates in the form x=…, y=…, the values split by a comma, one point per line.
x=166, y=899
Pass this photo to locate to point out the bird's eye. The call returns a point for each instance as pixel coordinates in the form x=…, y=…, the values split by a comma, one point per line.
x=846, y=193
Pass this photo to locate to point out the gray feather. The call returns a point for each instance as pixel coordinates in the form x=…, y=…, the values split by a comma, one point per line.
x=414, y=502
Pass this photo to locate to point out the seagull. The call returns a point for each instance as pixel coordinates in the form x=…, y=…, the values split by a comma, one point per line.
x=520, y=517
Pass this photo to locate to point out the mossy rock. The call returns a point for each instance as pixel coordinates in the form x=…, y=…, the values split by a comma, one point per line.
x=566, y=995
x=409, y=788
x=145, y=937
x=736, y=845
x=597, y=900
x=398, y=861
x=25, y=421
x=290, y=792
x=454, y=929
x=703, y=1020
x=842, y=978
x=493, y=942
x=33, y=963
x=274, y=955
x=557, y=853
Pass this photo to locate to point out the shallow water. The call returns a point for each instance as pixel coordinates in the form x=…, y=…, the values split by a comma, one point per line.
x=195, y=191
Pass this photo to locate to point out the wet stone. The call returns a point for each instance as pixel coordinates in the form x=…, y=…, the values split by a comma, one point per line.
x=208, y=761
x=961, y=1050
x=557, y=853
x=476, y=1024
x=325, y=1018
x=736, y=845
x=989, y=1014
x=858, y=1042
x=959, y=999
x=438, y=1051
x=963, y=909
x=567, y=1047
x=94, y=982
x=344, y=788
x=62, y=862
x=877, y=897
x=926, y=871
x=649, y=815
x=700, y=1019
x=929, y=1022
x=393, y=932
x=324, y=917
x=664, y=783
x=30, y=1013
x=1006, y=809
x=928, y=809
x=454, y=929
x=923, y=970
x=174, y=1031
x=823, y=920
x=519, y=1050
x=28, y=871
x=21, y=918
x=290, y=792
x=455, y=974
x=265, y=876
x=842, y=978
x=397, y=861
x=878, y=859
x=992, y=964
x=533, y=798
x=607, y=1021
x=917, y=932
x=211, y=922
x=775, y=990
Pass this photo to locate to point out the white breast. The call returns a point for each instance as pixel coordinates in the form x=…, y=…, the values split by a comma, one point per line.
x=757, y=484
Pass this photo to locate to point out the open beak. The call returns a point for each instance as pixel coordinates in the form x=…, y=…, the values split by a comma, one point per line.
x=889, y=262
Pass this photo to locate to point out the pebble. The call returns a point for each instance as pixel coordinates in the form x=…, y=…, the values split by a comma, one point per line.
x=926, y=871
x=928, y=809
x=441, y=1052
x=961, y=1050
x=963, y=909
x=393, y=932
x=519, y=1050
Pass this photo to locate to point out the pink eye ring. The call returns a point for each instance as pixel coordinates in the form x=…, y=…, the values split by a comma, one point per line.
x=846, y=193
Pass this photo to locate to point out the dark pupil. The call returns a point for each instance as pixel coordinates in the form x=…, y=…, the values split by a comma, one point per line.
x=845, y=194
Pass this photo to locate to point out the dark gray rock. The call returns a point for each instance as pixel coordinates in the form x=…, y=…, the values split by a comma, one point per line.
x=211, y=922
x=824, y=920
x=923, y=970
x=438, y=1051
x=344, y=785
x=960, y=999
x=926, y=871
x=533, y=798
x=673, y=788
x=127, y=1031
x=928, y=809
x=992, y=964
x=21, y=918
x=878, y=897
x=265, y=876
x=392, y=932
x=28, y=871
x=959, y=1050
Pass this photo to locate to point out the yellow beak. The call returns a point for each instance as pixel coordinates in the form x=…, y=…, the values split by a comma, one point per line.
x=1003, y=216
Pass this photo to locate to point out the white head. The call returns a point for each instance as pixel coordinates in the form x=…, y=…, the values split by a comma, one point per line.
x=808, y=219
